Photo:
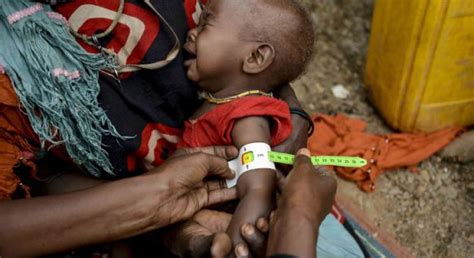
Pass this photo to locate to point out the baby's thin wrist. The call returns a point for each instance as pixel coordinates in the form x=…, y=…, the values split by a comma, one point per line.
x=260, y=193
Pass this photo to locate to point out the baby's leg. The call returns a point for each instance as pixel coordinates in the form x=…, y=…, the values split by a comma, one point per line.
x=256, y=191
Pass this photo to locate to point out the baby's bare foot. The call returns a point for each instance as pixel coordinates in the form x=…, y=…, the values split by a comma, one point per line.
x=461, y=149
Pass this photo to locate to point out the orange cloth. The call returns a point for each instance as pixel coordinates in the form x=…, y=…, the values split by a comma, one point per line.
x=15, y=137
x=343, y=136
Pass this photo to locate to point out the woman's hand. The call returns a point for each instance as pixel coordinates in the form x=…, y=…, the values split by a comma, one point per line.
x=115, y=210
x=193, y=238
x=187, y=190
x=255, y=237
x=307, y=196
x=225, y=152
x=204, y=236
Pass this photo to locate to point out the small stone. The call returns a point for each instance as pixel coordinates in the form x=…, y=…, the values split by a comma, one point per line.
x=405, y=203
x=445, y=177
x=394, y=191
x=406, y=195
x=470, y=186
x=425, y=175
x=471, y=238
x=319, y=88
x=340, y=92
x=422, y=204
x=437, y=183
x=450, y=193
x=419, y=191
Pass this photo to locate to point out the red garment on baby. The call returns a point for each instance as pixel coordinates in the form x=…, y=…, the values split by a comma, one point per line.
x=215, y=127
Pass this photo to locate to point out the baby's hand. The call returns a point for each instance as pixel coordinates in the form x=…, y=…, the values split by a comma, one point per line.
x=255, y=245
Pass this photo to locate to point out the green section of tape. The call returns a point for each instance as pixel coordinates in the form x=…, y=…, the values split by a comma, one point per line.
x=340, y=161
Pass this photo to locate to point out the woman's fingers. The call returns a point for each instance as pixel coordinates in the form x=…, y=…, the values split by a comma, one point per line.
x=221, y=245
x=215, y=185
x=203, y=162
x=218, y=192
x=214, y=221
x=225, y=152
x=281, y=180
x=303, y=159
x=255, y=240
x=303, y=170
x=262, y=225
x=272, y=216
x=196, y=199
x=214, y=166
x=191, y=169
x=221, y=195
x=241, y=251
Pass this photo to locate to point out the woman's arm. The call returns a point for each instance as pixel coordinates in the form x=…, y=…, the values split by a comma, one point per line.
x=306, y=199
x=55, y=223
x=114, y=210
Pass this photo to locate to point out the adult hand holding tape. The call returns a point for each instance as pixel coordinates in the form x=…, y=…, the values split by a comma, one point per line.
x=259, y=155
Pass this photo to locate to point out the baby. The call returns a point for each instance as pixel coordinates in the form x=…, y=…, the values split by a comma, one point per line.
x=241, y=51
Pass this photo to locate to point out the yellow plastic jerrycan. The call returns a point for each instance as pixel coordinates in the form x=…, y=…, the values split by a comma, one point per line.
x=420, y=63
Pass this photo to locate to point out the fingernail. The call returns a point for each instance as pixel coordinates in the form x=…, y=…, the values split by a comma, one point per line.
x=272, y=215
x=233, y=172
x=242, y=250
x=262, y=225
x=248, y=230
x=304, y=152
x=215, y=250
x=232, y=151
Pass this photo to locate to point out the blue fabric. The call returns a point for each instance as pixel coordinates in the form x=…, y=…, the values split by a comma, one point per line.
x=373, y=246
x=335, y=241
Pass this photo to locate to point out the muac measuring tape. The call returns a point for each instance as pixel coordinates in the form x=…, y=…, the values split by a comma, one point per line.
x=339, y=161
x=260, y=156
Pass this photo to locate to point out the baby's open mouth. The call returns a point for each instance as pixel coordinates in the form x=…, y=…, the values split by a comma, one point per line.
x=189, y=62
x=191, y=56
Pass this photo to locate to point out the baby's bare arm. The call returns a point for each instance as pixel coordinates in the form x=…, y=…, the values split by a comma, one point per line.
x=255, y=188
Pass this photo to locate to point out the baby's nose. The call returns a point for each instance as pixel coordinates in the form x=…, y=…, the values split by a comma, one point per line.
x=190, y=45
x=192, y=35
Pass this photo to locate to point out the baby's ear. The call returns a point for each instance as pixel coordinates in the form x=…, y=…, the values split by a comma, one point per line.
x=261, y=57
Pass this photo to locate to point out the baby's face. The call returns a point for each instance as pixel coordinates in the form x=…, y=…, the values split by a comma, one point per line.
x=215, y=48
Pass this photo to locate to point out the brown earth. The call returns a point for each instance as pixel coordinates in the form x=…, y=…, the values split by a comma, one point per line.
x=431, y=212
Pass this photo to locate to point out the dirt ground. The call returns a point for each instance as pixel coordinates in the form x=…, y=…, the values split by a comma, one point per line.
x=431, y=212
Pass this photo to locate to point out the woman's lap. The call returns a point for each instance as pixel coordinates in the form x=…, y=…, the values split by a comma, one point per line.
x=15, y=141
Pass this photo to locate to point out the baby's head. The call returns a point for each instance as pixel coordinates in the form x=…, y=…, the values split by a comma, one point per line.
x=242, y=45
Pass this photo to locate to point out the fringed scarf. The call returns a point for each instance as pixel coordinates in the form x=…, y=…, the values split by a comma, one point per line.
x=56, y=82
